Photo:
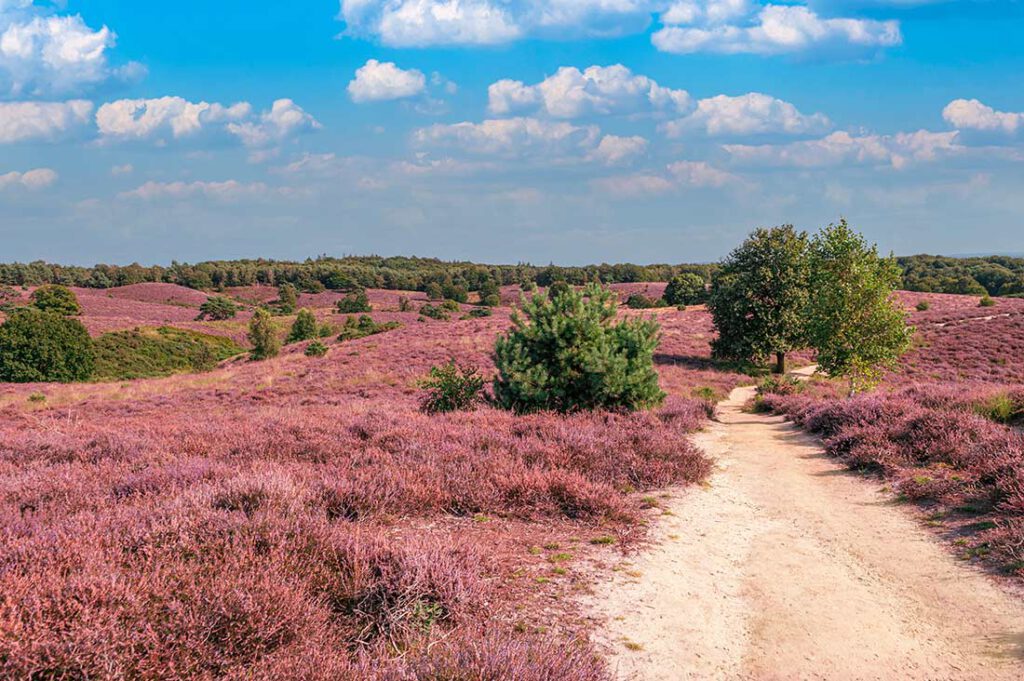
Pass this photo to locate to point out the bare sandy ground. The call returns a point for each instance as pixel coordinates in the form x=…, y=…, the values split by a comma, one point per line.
x=788, y=567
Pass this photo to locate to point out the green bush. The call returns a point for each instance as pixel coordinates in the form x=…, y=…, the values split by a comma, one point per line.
x=434, y=312
x=263, y=336
x=364, y=326
x=304, y=327
x=451, y=388
x=478, y=313
x=639, y=301
x=150, y=353
x=568, y=355
x=287, y=298
x=44, y=346
x=450, y=305
x=987, y=301
x=434, y=291
x=404, y=304
x=558, y=288
x=354, y=302
x=923, y=306
x=316, y=349
x=454, y=292
x=9, y=298
x=686, y=289
x=57, y=299
x=780, y=385
x=217, y=308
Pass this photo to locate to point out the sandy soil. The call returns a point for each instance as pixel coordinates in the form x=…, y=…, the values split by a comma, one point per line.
x=788, y=567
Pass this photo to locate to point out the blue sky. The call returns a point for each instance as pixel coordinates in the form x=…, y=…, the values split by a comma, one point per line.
x=566, y=131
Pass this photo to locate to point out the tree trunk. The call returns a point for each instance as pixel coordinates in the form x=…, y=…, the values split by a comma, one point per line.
x=780, y=362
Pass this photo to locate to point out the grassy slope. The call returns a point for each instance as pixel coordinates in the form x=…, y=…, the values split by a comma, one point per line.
x=153, y=352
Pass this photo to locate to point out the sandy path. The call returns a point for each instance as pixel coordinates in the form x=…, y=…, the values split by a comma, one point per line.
x=787, y=567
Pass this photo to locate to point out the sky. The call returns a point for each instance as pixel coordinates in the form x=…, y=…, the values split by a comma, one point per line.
x=567, y=131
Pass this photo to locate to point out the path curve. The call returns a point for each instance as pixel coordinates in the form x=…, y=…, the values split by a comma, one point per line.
x=785, y=566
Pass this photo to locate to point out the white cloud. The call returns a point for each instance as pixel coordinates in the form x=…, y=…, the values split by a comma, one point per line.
x=42, y=54
x=842, y=148
x=970, y=114
x=773, y=29
x=421, y=23
x=141, y=119
x=700, y=174
x=126, y=169
x=377, y=81
x=285, y=119
x=512, y=137
x=615, y=150
x=752, y=113
x=629, y=186
x=227, y=191
x=571, y=93
x=40, y=178
x=21, y=121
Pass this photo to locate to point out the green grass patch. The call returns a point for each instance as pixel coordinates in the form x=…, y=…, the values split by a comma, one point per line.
x=153, y=352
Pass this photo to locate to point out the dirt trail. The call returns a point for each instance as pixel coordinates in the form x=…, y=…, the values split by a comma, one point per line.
x=787, y=567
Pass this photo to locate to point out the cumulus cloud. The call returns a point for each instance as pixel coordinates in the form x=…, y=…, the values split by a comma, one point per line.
x=700, y=174
x=615, y=150
x=421, y=23
x=571, y=93
x=970, y=114
x=285, y=119
x=227, y=191
x=678, y=175
x=21, y=121
x=842, y=148
x=378, y=81
x=149, y=118
x=738, y=27
x=749, y=114
x=512, y=137
x=42, y=54
x=40, y=178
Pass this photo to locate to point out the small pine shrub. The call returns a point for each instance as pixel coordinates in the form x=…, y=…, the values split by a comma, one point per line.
x=56, y=299
x=355, y=302
x=316, y=349
x=567, y=355
x=263, y=336
x=37, y=398
x=304, y=328
x=478, y=313
x=987, y=301
x=217, y=308
x=287, y=298
x=923, y=306
x=638, y=301
x=558, y=288
x=404, y=304
x=451, y=387
x=363, y=326
x=434, y=312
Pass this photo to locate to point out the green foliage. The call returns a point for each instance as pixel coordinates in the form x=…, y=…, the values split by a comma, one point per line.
x=759, y=295
x=558, y=288
x=986, y=301
x=304, y=327
x=451, y=387
x=404, y=304
x=355, y=302
x=44, y=346
x=287, y=298
x=455, y=292
x=217, y=308
x=263, y=336
x=434, y=312
x=56, y=299
x=450, y=305
x=433, y=291
x=149, y=353
x=490, y=294
x=686, y=289
x=853, y=323
x=638, y=301
x=9, y=298
x=1001, y=408
x=923, y=306
x=364, y=326
x=478, y=313
x=780, y=385
x=568, y=355
x=316, y=349
x=37, y=398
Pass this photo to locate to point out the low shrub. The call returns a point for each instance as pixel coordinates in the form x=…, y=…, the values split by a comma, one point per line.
x=304, y=327
x=354, y=302
x=315, y=349
x=478, y=313
x=451, y=387
x=780, y=385
x=434, y=312
x=923, y=306
x=364, y=326
x=638, y=301
x=987, y=301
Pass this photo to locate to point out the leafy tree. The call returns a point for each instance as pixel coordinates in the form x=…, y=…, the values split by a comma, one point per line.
x=434, y=291
x=686, y=289
x=304, y=327
x=263, y=336
x=852, y=320
x=557, y=288
x=354, y=302
x=568, y=355
x=287, y=298
x=759, y=295
x=451, y=387
x=217, y=308
x=44, y=346
x=57, y=299
x=455, y=292
x=490, y=294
